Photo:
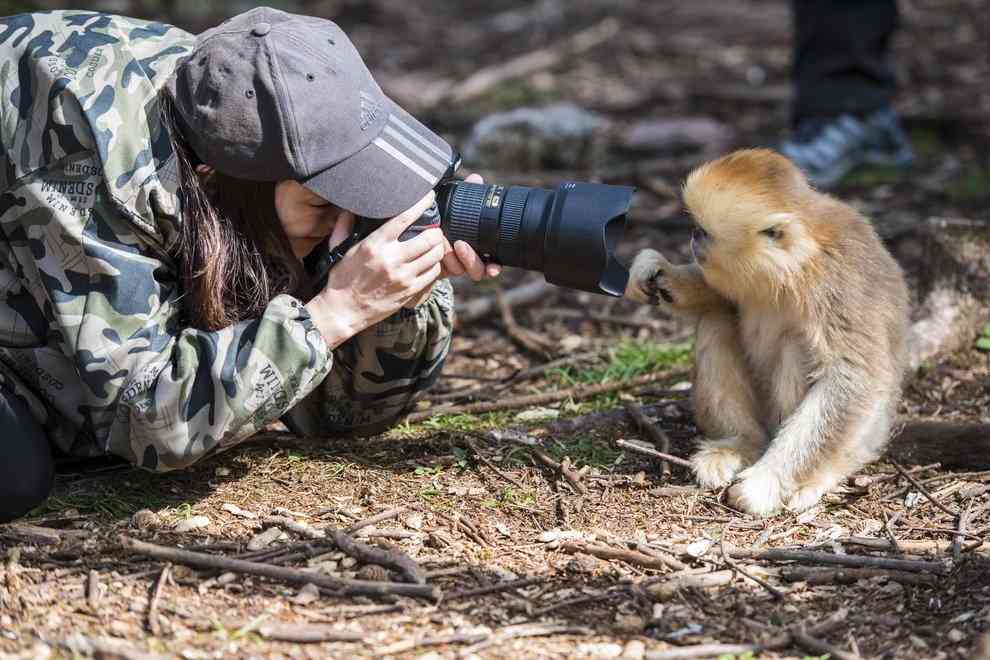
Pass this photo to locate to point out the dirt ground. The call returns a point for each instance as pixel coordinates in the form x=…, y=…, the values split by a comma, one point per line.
x=480, y=512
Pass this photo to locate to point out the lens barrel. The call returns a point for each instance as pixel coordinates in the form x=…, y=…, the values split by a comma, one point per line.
x=568, y=234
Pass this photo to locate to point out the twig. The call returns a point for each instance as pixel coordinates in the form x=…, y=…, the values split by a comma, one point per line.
x=525, y=337
x=524, y=630
x=921, y=489
x=340, y=586
x=573, y=393
x=443, y=640
x=494, y=588
x=533, y=445
x=300, y=528
x=153, y=625
x=652, y=452
x=388, y=514
x=628, y=556
x=478, y=308
x=660, y=439
x=558, y=312
x=775, y=592
x=541, y=369
x=394, y=558
x=524, y=65
x=93, y=589
x=812, y=557
x=852, y=575
x=888, y=525
x=961, y=529
x=814, y=645
x=306, y=633
x=577, y=600
x=702, y=651
x=660, y=554
x=494, y=468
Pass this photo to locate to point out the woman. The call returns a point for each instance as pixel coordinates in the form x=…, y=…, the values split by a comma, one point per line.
x=158, y=193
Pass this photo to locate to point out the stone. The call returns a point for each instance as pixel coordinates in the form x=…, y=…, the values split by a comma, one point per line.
x=672, y=135
x=190, y=524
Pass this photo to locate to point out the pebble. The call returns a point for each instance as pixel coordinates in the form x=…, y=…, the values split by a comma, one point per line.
x=599, y=650
x=307, y=594
x=348, y=562
x=189, y=524
x=145, y=519
x=264, y=539
x=238, y=511
x=955, y=636
x=634, y=650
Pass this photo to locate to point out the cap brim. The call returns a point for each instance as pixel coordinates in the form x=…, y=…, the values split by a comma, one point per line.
x=403, y=163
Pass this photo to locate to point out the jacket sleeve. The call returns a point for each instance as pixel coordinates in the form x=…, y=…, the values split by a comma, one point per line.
x=136, y=379
x=377, y=374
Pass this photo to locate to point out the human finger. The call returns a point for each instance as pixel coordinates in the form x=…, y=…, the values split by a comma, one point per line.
x=392, y=229
x=470, y=260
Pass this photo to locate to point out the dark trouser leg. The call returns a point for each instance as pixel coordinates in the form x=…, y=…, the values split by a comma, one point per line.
x=842, y=56
x=26, y=470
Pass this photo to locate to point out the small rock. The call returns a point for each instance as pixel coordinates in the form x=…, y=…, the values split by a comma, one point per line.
x=414, y=521
x=222, y=472
x=918, y=642
x=145, y=519
x=682, y=386
x=629, y=623
x=238, y=511
x=189, y=524
x=327, y=567
x=599, y=650
x=537, y=415
x=373, y=572
x=571, y=343
x=634, y=650
x=226, y=578
x=503, y=529
x=699, y=548
x=892, y=589
x=307, y=594
x=348, y=562
x=558, y=535
x=955, y=636
x=264, y=539
x=583, y=563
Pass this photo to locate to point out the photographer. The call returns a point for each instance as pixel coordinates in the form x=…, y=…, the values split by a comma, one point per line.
x=159, y=195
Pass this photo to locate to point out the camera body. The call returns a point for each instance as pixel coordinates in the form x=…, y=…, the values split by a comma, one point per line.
x=569, y=234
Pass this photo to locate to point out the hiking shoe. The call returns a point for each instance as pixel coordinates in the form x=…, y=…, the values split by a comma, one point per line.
x=827, y=149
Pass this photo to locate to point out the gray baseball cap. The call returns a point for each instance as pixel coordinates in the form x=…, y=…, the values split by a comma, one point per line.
x=268, y=95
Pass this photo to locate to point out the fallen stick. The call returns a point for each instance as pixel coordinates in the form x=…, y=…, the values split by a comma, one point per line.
x=703, y=651
x=478, y=308
x=388, y=514
x=494, y=468
x=851, y=575
x=921, y=489
x=533, y=445
x=443, y=640
x=629, y=556
x=576, y=393
x=957, y=540
x=660, y=439
x=524, y=65
x=812, y=557
x=577, y=600
x=525, y=337
x=668, y=589
x=646, y=451
x=93, y=589
x=808, y=643
x=524, y=630
x=921, y=546
x=660, y=554
x=394, y=558
x=494, y=588
x=731, y=563
x=153, y=625
x=306, y=633
x=300, y=528
x=341, y=586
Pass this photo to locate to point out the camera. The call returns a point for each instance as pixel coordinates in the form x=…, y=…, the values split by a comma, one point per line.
x=568, y=234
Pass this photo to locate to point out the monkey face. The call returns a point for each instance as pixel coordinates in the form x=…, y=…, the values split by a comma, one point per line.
x=751, y=239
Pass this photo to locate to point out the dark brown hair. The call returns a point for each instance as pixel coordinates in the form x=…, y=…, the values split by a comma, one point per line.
x=233, y=254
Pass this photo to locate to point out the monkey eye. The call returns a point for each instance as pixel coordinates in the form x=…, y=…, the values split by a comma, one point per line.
x=773, y=232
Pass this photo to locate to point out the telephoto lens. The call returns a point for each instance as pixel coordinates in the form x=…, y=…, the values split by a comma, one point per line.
x=569, y=234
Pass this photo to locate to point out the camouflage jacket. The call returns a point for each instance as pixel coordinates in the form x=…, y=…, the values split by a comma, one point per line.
x=91, y=332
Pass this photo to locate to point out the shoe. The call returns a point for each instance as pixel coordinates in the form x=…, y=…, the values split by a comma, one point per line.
x=827, y=149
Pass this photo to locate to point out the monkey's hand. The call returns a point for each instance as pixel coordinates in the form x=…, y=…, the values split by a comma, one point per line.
x=677, y=288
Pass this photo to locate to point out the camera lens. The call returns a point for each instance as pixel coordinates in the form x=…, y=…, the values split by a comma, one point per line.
x=568, y=234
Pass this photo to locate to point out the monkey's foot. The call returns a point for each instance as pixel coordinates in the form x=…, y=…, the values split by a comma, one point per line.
x=716, y=463
x=805, y=498
x=646, y=278
x=758, y=493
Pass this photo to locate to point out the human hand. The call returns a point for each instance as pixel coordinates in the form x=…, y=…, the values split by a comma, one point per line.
x=459, y=259
x=378, y=275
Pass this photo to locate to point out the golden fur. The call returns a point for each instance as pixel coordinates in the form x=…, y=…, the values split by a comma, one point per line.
x=801, y=331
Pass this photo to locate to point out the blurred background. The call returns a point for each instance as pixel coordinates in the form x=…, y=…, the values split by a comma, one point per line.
x=638, y=92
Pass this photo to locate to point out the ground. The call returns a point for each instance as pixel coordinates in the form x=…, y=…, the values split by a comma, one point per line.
x=478, y=511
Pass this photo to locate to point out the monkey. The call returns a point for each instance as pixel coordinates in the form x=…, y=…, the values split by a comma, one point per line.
x=801, y=341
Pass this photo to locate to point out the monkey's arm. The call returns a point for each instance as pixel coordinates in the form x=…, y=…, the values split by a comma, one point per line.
x=680, y=289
